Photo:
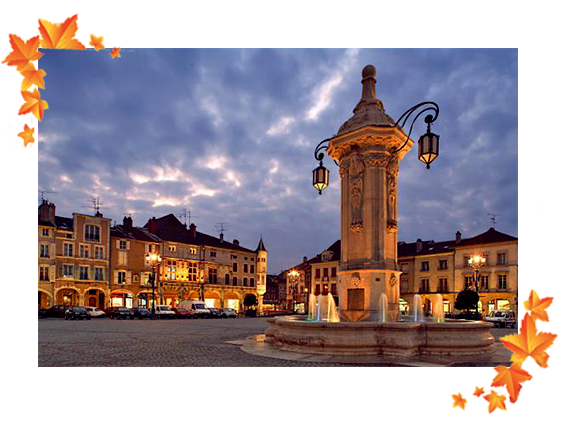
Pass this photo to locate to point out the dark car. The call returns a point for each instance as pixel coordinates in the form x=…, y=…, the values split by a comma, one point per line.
x=251, y=313
x=215, y=313
x=56, y=311
x=182, y=313
x=141, y=313
x=77, y=312
x=120, y=313
x=42, y=313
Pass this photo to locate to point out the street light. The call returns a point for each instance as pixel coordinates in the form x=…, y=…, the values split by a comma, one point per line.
x=476, y=262
x=293, y=274
x=153, y=260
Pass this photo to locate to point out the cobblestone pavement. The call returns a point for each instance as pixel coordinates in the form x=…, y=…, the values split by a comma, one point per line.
x=106, y=342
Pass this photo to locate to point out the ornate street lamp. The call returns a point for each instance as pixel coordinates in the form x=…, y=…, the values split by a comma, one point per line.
x=153, y=260
x=476, y=262
x=293, y=274
x=320, y=175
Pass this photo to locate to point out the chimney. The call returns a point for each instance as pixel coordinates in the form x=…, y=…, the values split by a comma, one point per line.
x=152, y=225
x=127, y=224
x=458, y=237
x=46, y=211
x=304, y=259
x=193, y=230
x=221, y=237
x=236, y=242
x=419, y=245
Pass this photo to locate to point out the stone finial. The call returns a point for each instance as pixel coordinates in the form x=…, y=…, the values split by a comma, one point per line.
x=368, y=83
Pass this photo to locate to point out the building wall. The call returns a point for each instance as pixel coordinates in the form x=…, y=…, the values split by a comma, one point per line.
x=46, y=265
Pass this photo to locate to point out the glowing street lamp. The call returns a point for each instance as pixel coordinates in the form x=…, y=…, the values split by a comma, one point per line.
x=293, y=275
x=153, y=260
x=476, y=262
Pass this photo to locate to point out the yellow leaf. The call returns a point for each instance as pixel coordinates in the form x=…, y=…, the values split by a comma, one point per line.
x=60, y=36
x=115, y=52
x=537, y=306
x=33, y=104
x=458, y=401
x=512, y=378
x=529, y=343
x=23, y=52
x=27, y=135
x=496, y=401
x=32, y=77
x=97, y=42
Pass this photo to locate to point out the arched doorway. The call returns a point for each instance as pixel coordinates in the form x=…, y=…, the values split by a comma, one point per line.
x=44, y=300
x=212, y=299
x=231, y=301
x=95, y=297
x=67, y=296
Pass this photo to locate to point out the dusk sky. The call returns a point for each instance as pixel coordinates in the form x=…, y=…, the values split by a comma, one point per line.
x=230, y=134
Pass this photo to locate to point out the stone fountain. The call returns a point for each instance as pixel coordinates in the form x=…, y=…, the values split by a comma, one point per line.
x=368, y=149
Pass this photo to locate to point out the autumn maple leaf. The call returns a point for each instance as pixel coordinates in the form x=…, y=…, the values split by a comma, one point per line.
x=458, y=401
x=96, y=42
x=529, y=343
x=27, y=135
x=479, y=391
x=537, y=306
x=512, y=378
x=32, y=77
x=115, y=52
x=23, y=52
x=60, y=36
x=33, y=104
x=496, y=401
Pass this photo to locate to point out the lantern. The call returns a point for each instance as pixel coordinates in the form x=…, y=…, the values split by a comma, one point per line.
x=428, y=147
x=320, y=177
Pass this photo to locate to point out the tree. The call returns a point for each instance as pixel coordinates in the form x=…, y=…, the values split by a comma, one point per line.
x=466, y=299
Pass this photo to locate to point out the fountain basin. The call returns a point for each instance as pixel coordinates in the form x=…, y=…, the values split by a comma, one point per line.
x=393, y=339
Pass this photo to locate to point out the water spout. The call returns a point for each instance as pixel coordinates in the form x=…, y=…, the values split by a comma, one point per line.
x=417, y=308
x=438, y=312
x=332, y=311
x=383, y=308
x=318, y=308
x=311, y=307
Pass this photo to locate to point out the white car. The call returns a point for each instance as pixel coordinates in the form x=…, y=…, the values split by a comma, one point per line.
x=163, y=311
x=502, y=318
x=95, y=312
x=228, y=313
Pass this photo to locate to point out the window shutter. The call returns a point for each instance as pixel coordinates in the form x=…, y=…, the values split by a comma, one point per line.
x=118, y=244
x=52, y=273
x=116, y=277
x=52, y=255
x=146, y=248
x=128, y=278
x=127, y=245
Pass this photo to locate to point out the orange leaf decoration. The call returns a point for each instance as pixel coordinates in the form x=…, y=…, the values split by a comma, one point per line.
x=496, y=401
x=97, y=42
x=27, y=135
x=33, y=104
x=529, y=343
x=512, y=378
x=23, y=52
x=537, y=306
x=32, y=77
x=115, y=52
x=479, y=391
x=458, y=401
x=60, y=36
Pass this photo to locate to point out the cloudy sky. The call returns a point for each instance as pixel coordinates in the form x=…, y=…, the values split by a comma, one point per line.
x=230, y=134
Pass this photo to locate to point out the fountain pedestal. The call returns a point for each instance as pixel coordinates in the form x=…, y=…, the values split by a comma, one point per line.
x=369, y=167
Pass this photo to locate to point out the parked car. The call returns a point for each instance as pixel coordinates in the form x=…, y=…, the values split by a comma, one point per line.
x=182, y=313
x=228, y=313
x=42, y=313
x=120, y=312
x=163, y=311
x=142, y=312
x=215, y=313
x=77, y=312
x=198, y=308
x=502, y=318
x=57, y=311
x=251, y=313
x=95, y=312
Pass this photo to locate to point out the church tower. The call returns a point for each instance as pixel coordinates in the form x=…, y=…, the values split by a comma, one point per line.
x=261, y=273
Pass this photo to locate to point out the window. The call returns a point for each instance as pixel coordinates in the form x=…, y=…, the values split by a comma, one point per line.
x=234, y=281
x=99, y=252
x=404, y=267
x=244, y=281
x=468, y=281
x=502, y=258
x=325, y=272
x=244, y=268
x=503, y=281
x=121, y=277
x=234, y=267
x=83, y=273
x=171, y=248
x=424, y=285
x=92, y=233
x=404, y=284
x=45, y=232
x=192, y=272
x=484, y=282
x=251, y=268
x=98, y=273
x=317, y=273
x=443, y=284
x=226, y=278
x=443, y=265
x=333, y=288
x=193, y=251
x=252, y=282
x=317, y=289
x=233, y=256
x=213, y=254
x=68, y=249
x=171, y=271
x=425, y=266
x=44, y=273
x=44, y=251
x=67, y=270
x=333, y=272
x=84, y=251
x=212, y=275
x=466, y=258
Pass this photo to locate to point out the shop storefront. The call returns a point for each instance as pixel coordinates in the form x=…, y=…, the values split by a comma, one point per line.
x=121, y=299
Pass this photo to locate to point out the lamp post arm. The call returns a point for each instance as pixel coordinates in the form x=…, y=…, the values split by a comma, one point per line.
x=407, y=114
x=320, y=148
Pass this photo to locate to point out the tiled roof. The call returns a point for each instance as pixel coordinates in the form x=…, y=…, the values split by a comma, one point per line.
x=64, y=223
x=135, y=233
x=490, y=236
x=336, y=250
